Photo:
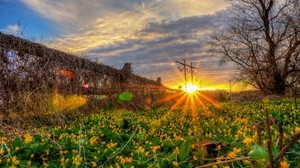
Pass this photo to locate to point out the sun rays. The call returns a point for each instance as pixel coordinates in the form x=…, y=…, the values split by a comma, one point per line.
x=192, y=103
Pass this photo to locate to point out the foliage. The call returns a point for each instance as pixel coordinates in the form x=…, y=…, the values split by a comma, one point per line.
x=258, y=153
x=154, y=138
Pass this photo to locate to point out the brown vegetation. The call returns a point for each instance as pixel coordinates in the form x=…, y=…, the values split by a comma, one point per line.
x=34, y=78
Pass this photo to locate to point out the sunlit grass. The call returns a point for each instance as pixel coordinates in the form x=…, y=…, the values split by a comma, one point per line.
x=160, y=140
x=67, y=102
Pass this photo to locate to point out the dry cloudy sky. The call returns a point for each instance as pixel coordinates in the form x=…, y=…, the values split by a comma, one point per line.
x=150, y=34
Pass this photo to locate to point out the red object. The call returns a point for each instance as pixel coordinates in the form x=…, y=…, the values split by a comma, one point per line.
x=86, y=85
x=65, y=73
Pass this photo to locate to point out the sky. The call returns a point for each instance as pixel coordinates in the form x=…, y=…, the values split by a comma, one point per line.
x=150, y=34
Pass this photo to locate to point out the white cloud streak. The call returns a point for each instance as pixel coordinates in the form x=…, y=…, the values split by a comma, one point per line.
x=12, y=29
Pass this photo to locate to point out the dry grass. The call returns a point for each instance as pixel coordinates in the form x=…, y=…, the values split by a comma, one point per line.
x=46, y=85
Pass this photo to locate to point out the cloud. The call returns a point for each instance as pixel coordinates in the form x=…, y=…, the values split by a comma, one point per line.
x=188, y=24
x=154, y=49
x=90, y=24
x=12, y=29
x=176, y=9
x=184, y=36
x=151, y=34
x=77, y=15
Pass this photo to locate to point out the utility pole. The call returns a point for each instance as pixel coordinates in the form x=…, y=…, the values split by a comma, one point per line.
x=192, y=72
x=185, y=70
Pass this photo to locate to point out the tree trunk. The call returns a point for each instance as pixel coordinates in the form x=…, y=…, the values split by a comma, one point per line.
x=279, y=85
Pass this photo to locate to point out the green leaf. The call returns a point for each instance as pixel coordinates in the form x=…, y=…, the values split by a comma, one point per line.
x=38, y=147
x=258, y=153
x=275, y=150
x=125, y=96
x=17, y=142
x=185, y=150
x=108, y=107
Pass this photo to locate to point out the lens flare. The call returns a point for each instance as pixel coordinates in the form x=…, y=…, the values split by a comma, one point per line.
x=191, y=88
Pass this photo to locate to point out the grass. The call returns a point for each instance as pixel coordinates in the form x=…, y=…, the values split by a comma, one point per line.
x=154, y=138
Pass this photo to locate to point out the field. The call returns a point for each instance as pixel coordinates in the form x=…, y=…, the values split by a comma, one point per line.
x=158, y=137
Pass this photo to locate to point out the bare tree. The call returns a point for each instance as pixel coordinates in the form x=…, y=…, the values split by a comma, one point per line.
x=263, y=39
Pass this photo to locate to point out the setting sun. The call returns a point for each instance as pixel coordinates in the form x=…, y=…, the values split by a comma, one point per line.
x=191, y=88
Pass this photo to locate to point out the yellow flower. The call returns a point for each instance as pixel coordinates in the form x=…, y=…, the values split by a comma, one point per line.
x=93, y=140
x=155, y=148
x=219, y=147
x=141, y=150
x=231, y=155
x=94, y=164
x=146, y=154
x=219, y=159
x=31, y=156
x=175, y=164
x=176, y=150
x=128, y=160
x=15, y=161
x=236, y=150
x=111, y=145
x=29, y=163
x=297, y=129
x=47, y=152
x=248, y=141
x=77, y=160
x=61, y=152
x=284, y=164
x=45, y=164
x=122, y=160
x=3, y=140
x=28, y=138
x=1, y=151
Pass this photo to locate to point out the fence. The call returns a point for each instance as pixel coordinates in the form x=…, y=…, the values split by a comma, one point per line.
x=32, y=74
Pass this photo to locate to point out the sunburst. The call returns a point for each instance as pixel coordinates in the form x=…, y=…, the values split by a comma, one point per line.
x=190, y=100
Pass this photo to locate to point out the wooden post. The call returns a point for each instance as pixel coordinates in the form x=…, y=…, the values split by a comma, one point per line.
x=281, y=137
x=258, y=130
x=269, y=141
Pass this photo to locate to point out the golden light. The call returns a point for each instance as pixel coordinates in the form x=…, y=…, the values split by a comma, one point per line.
x=67, y=102
x=191, y=88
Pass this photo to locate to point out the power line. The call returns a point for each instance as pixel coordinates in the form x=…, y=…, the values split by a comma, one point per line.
x=185, y=70
x=192, y=72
